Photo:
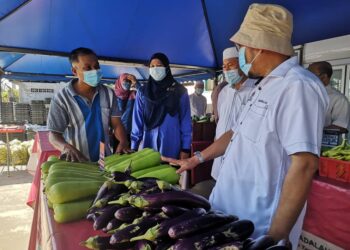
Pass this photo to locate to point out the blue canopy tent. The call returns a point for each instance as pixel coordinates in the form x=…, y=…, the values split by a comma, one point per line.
x=37, y=35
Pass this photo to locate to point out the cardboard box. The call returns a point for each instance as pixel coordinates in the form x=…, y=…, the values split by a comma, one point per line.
x=335, y=169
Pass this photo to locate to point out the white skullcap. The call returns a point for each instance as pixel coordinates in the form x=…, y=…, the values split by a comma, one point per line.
x=230, y=53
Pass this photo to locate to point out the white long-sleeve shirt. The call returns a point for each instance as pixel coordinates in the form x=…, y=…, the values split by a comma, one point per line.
x=198, y=105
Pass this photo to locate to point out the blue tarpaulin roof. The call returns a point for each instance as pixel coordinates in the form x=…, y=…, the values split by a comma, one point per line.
x=40, y=33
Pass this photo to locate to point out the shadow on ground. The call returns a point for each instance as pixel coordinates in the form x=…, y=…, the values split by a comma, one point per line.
x=15, y=177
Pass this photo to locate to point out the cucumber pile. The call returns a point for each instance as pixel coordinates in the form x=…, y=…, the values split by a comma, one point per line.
x=70, y=187
x=144, y=163
x=147, y=213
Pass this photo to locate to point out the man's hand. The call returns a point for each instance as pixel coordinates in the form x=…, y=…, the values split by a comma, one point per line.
x=185, y=164
x=70, y=153
x=123, y=147
x=184, y=155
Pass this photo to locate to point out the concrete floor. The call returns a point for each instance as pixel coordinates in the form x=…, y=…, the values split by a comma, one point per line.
x=15, y=215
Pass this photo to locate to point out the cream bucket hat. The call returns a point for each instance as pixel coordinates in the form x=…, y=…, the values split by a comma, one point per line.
x=266, y=26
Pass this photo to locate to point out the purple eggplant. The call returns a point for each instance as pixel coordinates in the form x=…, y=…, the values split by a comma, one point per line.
x=158, y=200
x=281, y=245
x=112, y=224
x=173, y=211
x=152, y=190
x=107, y=187
x=165, y=186
x=105, y=217
x=247, y=243
x=91, y=216
x=143, y=245
x=235, y=231
x=164, y=244
x=123, y=199
x=102, y=243
x=261, y=243
x=134, y=230
x=100, y=203
x=195, y=225
x=128, y=214
x=161, y=230
x=229, y=246
x=120, y=176
x=278, y=248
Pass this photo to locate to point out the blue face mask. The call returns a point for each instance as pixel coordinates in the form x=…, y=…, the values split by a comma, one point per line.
x=92, y=77
x=126, y=85
x=232, y=76
x=244, y=66
x=157, y=73
x=199, y=91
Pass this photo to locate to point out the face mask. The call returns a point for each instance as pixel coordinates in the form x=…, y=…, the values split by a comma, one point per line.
x=157, y=73
x=92, y=77
x=126, y=85
x=199, y=91
x=232, y=76
x=245, y=67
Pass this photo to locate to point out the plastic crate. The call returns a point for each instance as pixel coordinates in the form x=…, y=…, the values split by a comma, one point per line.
x=334, y=169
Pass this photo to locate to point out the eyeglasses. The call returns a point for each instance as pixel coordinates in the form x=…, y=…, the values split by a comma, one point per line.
x=237, y=46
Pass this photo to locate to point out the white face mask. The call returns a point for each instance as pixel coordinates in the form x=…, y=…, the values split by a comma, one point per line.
x=157, y=73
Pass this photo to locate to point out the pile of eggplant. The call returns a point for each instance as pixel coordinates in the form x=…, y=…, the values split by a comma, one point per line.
x=148, y=214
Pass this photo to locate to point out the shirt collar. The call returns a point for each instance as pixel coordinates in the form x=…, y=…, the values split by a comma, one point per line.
x=73, y=92
x=282, y=69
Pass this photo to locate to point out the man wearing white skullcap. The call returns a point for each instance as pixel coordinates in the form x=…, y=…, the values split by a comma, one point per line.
x=198, y=102
x=231, y=98
x=271, y=154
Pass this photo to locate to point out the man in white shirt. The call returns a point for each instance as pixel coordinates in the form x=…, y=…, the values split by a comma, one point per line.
x=232, y=98
x=338, y=112
x=198, y=101
x=271, y=154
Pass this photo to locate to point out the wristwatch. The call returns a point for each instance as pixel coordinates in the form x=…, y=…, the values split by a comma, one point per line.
x=199, y=156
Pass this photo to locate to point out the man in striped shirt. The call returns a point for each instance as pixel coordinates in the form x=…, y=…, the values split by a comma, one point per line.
x=84, y=112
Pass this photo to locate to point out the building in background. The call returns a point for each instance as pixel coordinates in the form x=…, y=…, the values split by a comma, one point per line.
x=37, y=91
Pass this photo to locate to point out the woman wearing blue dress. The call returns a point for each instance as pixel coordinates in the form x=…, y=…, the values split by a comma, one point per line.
x=162, y=114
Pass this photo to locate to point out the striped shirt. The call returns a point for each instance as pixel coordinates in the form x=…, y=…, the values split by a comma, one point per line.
x=66, y=117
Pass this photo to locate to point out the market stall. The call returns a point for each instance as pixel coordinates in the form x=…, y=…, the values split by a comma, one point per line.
x=146, y=203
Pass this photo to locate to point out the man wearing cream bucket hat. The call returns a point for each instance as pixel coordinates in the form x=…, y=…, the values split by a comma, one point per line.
x=271, y=154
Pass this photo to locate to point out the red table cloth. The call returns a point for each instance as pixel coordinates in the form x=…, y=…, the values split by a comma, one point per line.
x=328, y=211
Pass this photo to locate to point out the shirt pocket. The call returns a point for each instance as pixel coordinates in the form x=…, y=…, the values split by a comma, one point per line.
x=253, y=123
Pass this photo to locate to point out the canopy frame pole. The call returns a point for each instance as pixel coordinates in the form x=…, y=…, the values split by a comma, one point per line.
x=9, y=65
x=43, y=74
x=205, y=12
x=110, y=60
x=15, y=9
x=141, y=74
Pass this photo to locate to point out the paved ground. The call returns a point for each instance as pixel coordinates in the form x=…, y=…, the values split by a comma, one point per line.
x=15, y=215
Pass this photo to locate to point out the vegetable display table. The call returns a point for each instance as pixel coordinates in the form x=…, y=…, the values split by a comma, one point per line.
x=44, y=149
x=49, y=234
